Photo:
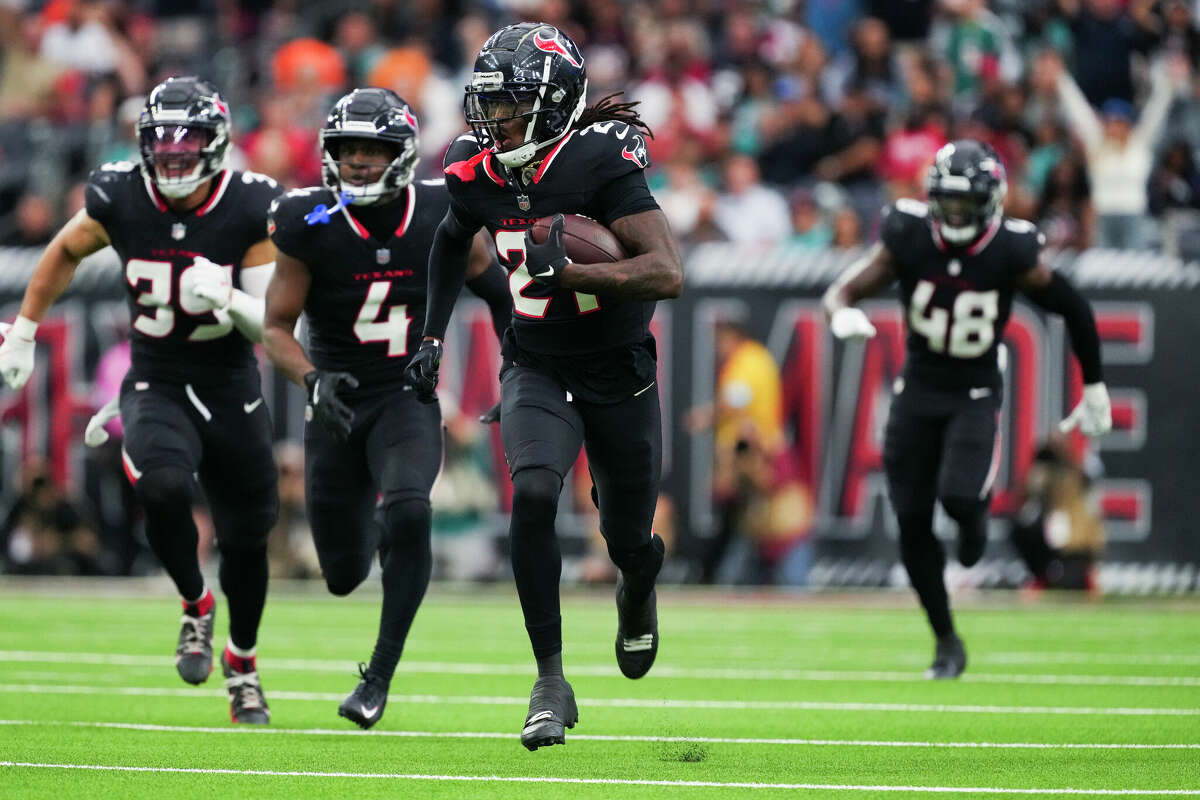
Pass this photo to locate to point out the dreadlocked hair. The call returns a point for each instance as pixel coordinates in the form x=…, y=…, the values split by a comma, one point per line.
x=607, y=109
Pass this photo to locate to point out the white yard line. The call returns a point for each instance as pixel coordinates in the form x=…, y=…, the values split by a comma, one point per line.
x=610, y=671
x=619, y=702
x=603, y=781
x=239, y=729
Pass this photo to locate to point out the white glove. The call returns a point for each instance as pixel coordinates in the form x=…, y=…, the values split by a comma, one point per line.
x=205, y=286
x=95, y=435
x=1093, y=415
x=16, y=353
x=851, y=323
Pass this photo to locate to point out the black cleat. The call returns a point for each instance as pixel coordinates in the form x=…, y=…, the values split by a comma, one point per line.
x=551, y=708
x=949, y=659
x=193, y=653
x=247, y=704
x=364, y=706
x=637, y=622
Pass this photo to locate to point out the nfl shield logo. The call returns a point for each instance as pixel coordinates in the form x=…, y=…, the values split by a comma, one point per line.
x=178, y=231
x=523, y=202
x=383, y=256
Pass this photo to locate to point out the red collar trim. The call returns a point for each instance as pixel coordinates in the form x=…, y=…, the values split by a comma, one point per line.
x=537, y=176
x=988, y=235
x=355, y=224
x=408, y=214
x=226, y=175
x=487, y=167
x=155, y=197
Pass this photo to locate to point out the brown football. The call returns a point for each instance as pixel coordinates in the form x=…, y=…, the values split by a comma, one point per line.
x=586, y=241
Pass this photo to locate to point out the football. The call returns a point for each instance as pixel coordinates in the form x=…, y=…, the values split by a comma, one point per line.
x=586, y=241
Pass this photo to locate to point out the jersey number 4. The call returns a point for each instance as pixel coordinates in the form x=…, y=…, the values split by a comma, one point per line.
x=966, y=332
x=369, y=326
x=511, y=247
x=160, y=324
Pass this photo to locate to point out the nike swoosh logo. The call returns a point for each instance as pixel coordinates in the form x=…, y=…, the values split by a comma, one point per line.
x=538, y=717
x=979, y=393
x=249, y=407
x=549, y=272
x=369, y=712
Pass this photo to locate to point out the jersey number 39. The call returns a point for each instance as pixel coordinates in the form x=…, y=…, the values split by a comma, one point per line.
x=965, y=332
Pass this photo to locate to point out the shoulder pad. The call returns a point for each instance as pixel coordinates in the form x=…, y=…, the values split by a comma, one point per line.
x=287, y=210
x=901, y=221
x=102, y=193
x=914, y=208
x=612, y=139
x=1028, y=241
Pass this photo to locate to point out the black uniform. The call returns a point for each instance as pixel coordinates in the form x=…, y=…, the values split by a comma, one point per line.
x=579, y=369
x=941, y=433
x=365, y=307
x=192, y=398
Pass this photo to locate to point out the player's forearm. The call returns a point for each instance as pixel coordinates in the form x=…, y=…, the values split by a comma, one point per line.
x=650, y=276
x=51, y=277
x=246, y=311
x=285, y=352
x=1061, y=298
x=447, y=272
x=491, y=286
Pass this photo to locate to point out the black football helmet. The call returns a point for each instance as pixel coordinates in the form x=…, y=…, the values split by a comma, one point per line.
x=379, y=115
x=532, y=71
x=966, y=185
x=183, y=135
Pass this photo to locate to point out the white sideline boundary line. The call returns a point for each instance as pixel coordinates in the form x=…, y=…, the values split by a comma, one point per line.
x=622, y=702
x=609, y=671
x=141, y=726
x=603, y=781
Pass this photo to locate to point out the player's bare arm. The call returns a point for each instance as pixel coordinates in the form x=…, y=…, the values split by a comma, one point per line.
x=286, y=295
x=653, y=272
x=864, y=278
x=77, y=240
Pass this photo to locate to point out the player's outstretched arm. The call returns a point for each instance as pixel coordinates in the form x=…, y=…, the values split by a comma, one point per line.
x=1051, y=291
x=865, y=277
x=654, y=270
x=285, y=298
x=486, y=279
x=79, y=238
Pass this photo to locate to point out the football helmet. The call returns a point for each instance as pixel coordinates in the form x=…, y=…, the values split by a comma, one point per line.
x=531, y=71
x=966, y=185
x=379, y=115
x=183, y=135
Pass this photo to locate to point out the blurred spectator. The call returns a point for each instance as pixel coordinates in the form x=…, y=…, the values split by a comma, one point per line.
x=1120, y=155
x=847, y=228
x=34, y=224
x=290, y=549
x=1180, y=33
x=1058, y=532
x=81, y=40
x=282, y=148
x=908, y=20
x=871, y=63
x=1105, y=39
x=308, y=62
x=1064, y=212
x=978, y=49
x=410, y=73
x=747, y=211
x=677, y=101
x=688, y=202
x=355, y=38
x=1175, y=199
x=26, y=78
x=908, y=152
x=45, y=532
x=810, y=230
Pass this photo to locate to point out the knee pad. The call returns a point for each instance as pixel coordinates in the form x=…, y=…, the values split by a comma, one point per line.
x=645, y=561
x=344, y=577
x=167, y=488
x=535, y=492
x=406, y=523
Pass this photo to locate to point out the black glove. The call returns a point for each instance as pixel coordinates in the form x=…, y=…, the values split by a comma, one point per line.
x=491, y=416
x=422, y=371
x=547, y=260
x=327, y=410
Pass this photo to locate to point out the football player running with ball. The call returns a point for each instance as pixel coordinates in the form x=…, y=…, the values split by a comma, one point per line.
x=353, y=256
x=187, y=230
x=579, y=361
x=958, y=260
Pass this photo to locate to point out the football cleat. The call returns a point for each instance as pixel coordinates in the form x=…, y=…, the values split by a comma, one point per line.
x=637, y=622
x=551, y=709
x=949, y=659
x=193, y=653
x=247, y=704
x=364, y=706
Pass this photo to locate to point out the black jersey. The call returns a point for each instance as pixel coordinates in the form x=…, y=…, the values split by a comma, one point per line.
x=156, y=245
x=367, y=298
x=585, y=173
x=956, y=299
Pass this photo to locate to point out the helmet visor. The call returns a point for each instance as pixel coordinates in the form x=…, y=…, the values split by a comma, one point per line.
x=957, y=209
x=502, y=115
x=175, y=150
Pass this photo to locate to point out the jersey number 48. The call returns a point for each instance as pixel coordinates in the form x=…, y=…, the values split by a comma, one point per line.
x=967, y=331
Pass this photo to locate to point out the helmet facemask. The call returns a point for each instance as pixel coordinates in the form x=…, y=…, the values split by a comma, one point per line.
x=393, y=175
x=178, y=159
x=491, y=105
x=962, y=209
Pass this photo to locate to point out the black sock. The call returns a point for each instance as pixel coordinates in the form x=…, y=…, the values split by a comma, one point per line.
x=536, y=560
x=407, y=564
x=244, y=573
x=639, y=567
x=924, y=560
x=550, y=665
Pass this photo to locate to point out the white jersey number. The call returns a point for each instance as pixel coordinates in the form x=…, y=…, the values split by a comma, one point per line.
x=967, y=332
x=158, y=296
x=369, y=327
x=511, y=247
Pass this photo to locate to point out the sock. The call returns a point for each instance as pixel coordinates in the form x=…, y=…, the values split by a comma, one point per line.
x=384, y=659
x=237, y=663
x=549, y=665
x=198, y=608
x=407, y=563
x=925, y=561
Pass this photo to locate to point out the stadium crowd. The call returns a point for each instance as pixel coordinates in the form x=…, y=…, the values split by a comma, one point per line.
x=783, y=121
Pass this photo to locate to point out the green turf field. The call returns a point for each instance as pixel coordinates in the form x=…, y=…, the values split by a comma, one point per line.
x=752, y=696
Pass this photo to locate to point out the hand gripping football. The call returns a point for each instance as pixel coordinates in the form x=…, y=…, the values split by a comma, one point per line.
x=586, y=241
